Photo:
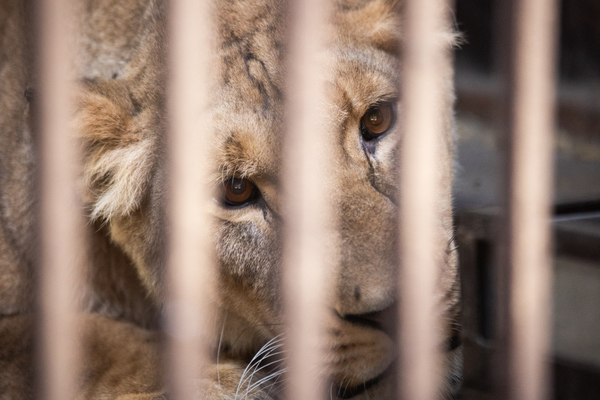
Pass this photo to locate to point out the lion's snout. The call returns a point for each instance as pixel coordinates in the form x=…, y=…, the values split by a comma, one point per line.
x=360, y=348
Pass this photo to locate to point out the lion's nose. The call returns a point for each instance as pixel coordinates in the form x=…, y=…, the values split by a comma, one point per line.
x=383, y=320
x=363, y=296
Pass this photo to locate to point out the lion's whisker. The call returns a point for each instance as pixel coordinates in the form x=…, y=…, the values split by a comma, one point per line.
x=274, y=343
x=274, y=383
x=265, y=379
x=262, y=367
x=264, y=353
x=219, y=349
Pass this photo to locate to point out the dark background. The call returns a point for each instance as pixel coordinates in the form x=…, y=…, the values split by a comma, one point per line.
x=579, y=58
x=575, y=353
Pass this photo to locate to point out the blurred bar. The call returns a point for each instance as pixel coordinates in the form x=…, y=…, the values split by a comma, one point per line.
x=306, y=223
x=61, y=229
x=419, y=324
x=190, y=276
x=528, y=31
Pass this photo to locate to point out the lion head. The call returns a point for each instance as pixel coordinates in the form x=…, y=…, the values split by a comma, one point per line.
x=121, y=122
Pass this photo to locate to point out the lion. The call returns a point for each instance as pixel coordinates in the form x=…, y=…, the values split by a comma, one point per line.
x=120, y=120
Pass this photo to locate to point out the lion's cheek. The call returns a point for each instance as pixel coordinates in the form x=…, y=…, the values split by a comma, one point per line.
x=137, y=236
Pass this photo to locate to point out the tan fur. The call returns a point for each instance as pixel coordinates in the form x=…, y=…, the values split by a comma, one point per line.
x=16, y=164
x=121, y=123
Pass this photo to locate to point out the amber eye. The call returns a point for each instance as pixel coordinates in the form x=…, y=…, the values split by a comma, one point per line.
x=378, y=120
x=238, y=191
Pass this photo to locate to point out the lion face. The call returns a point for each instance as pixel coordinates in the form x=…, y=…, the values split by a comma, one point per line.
x=121, y=125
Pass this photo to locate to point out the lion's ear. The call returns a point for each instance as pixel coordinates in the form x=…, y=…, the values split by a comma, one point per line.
x=118, y=146
x=373, y=23
x=377, y=23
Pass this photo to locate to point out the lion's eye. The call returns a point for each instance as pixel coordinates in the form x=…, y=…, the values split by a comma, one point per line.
x=378, y=120
x=238, y=191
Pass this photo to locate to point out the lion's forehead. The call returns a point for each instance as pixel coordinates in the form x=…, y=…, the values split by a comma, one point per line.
x=247, y=123
x=248, y=113
x=247, y=101
x=360, y=77
x=249, y=98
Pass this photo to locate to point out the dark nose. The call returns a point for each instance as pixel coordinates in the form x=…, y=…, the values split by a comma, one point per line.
x=383, y=320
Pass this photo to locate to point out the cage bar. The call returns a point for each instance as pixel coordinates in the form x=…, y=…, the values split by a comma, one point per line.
x=190, y=274
x=306, y=224
x=61, y=229
x=528, y=69
x=421, y=90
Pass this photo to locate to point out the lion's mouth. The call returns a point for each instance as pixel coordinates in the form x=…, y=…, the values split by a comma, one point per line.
x=349, y=392
x=367, y=338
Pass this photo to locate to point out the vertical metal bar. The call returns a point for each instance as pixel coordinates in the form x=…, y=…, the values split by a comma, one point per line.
x=306, y=224
x=529, y=124
x=61, y=227
x=190, y=263
x=422, y=85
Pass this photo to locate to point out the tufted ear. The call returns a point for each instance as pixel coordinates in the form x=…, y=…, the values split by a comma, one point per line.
x=118, y=141
x=377, y=23
x=372, y=23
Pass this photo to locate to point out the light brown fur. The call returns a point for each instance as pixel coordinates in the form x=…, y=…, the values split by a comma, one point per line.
x=121, y=122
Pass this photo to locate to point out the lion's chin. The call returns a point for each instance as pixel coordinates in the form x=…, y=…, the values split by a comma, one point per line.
x=365, y=388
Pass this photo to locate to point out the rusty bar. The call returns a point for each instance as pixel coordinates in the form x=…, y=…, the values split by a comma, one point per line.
x=422, y=84
x=61, y=227
x=190, y=274
x=529, y=124
x=306, y=223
